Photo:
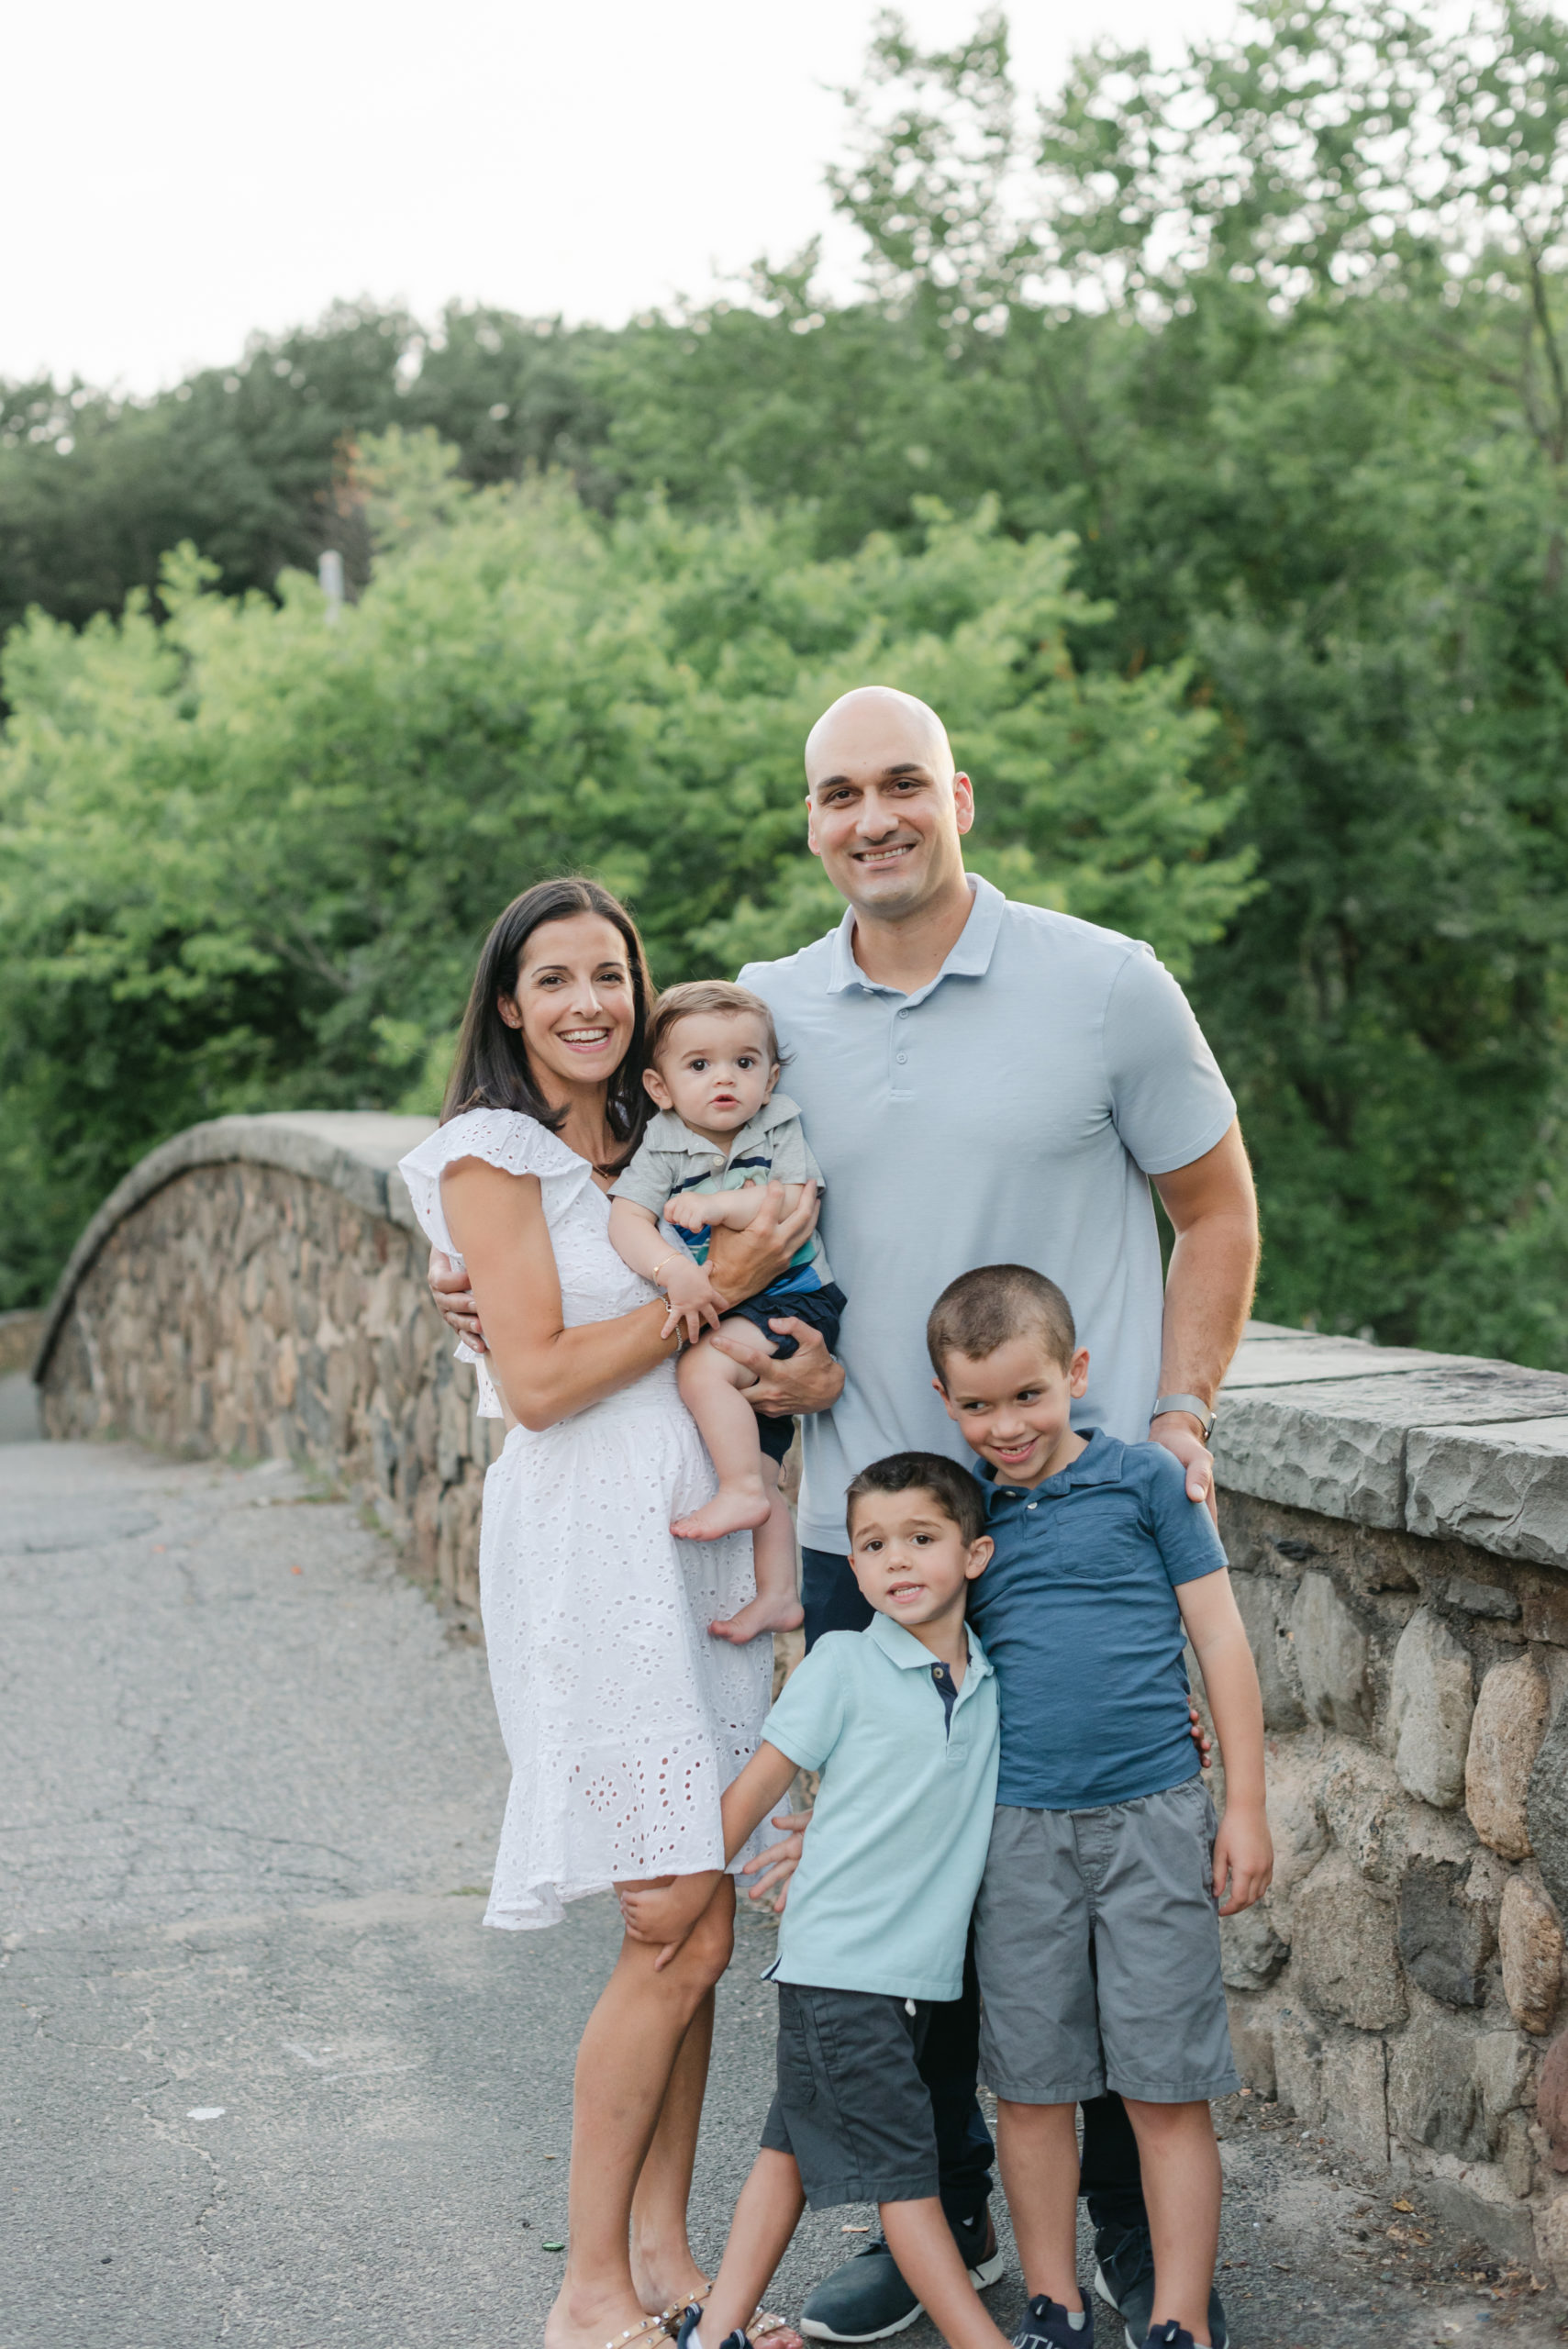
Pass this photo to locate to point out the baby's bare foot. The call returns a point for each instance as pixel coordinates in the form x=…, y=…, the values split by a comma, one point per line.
x=760, y=1614
x=734, y=1508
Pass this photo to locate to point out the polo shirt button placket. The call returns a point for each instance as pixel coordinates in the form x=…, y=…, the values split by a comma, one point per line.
x=900, y=1059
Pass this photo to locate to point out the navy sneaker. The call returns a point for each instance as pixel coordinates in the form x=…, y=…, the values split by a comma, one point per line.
x=1124, y=2275
x=1161, y=2336
x=693, y=2317
x=867, y=2299
x=1050, y=2325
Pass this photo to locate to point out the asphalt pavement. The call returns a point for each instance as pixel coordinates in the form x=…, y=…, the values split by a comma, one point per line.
x=266, y=2078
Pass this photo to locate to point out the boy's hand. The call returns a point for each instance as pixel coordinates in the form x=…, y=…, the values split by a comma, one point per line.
x=691, y=1298
x=1201, y=1737
x=1243, y=1851
x=779, y=1860
x=690, y=1212
x=666, y=1911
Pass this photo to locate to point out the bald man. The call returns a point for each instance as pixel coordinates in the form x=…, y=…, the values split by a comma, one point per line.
x=989, y=1082
x=984, y=1083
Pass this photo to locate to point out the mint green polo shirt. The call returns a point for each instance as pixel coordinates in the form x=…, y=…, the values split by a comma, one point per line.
x=896, y=1847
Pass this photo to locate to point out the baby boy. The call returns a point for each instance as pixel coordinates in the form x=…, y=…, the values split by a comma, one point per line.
x=723, y=1133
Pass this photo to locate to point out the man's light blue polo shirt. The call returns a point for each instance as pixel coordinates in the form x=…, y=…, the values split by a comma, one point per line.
x=1010, y=1112
x=882, y=1896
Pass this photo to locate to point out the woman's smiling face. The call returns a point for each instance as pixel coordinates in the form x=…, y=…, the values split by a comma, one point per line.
x=573, y=1003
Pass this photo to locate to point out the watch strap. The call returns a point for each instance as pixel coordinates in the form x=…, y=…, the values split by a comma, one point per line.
x=1200, y=1410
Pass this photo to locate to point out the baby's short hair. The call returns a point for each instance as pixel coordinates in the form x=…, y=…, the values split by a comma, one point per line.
x=956, y=1493
x=712, y=995
x=983, y=1309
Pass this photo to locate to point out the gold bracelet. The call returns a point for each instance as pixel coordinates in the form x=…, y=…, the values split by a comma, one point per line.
x=658, y=1268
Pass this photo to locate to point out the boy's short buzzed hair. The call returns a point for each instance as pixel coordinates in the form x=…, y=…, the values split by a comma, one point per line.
x=714, y=996
x=983, y=1309
x=956, y=1493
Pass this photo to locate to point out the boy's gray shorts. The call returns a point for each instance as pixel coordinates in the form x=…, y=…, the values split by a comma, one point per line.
x=852, y=2105
x=1096, y=1940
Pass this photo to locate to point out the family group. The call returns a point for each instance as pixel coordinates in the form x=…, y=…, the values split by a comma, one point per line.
x=1013, y=1870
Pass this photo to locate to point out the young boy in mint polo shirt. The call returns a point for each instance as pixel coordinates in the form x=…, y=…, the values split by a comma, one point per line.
x=900, y=1720
x=1097, y=1934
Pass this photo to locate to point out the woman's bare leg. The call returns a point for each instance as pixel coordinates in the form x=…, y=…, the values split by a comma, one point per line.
x=662, y=2268
x=625, y=2065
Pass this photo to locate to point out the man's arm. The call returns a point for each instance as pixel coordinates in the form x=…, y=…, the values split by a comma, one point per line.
x=1209, y=1292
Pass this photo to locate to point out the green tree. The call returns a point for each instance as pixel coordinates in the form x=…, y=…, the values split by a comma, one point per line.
x=1272, y=334
x=247, y=858
x=1294, y=301
x=252, y=463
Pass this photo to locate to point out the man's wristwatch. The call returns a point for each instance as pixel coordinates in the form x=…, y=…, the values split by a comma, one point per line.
x=1193, y=1403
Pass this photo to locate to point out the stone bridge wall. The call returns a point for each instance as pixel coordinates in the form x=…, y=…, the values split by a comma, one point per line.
x=257, y=1287
x=1398, y=1524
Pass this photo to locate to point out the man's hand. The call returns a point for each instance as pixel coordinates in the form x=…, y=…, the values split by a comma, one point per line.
x=666, y=1910
x=1243, y=1851
x=1178, y=1431
x=454, y=1299
x=809, y=1381
x=742, y=1262
x=780, y=1860
x=1201, y=1737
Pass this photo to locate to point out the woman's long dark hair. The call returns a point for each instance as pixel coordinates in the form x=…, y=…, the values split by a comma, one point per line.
x=491, y=1071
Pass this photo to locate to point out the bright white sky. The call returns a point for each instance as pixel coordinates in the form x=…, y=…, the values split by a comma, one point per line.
x=174, y=176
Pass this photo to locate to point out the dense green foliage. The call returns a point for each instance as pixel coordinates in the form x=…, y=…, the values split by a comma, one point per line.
x=248, y=856
x=1244, y=384
x=252, y=462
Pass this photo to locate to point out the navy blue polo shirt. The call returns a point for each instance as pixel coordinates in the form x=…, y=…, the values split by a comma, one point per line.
x=1078, y=1613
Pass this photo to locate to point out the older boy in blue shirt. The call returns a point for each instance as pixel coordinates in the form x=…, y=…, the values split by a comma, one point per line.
x=1096, y=1932
x=901, y=1720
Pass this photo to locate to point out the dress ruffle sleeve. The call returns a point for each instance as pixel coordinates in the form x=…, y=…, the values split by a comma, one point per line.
x=503, y=1138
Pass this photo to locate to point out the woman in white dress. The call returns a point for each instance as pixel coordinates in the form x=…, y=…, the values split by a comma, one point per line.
x=623, y=1720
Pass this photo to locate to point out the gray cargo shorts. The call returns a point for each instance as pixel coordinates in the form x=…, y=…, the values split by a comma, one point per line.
x=1096, y=1940
x=852, y=2105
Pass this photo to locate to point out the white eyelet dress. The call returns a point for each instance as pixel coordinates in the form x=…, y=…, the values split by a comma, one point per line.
x=623, y=1720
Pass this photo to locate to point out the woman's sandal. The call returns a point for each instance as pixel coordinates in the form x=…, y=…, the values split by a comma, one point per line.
x=634, y=2332
x=671, y=2318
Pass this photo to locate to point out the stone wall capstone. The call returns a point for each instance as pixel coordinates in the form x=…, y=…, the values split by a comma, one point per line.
x=1397, y=1528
